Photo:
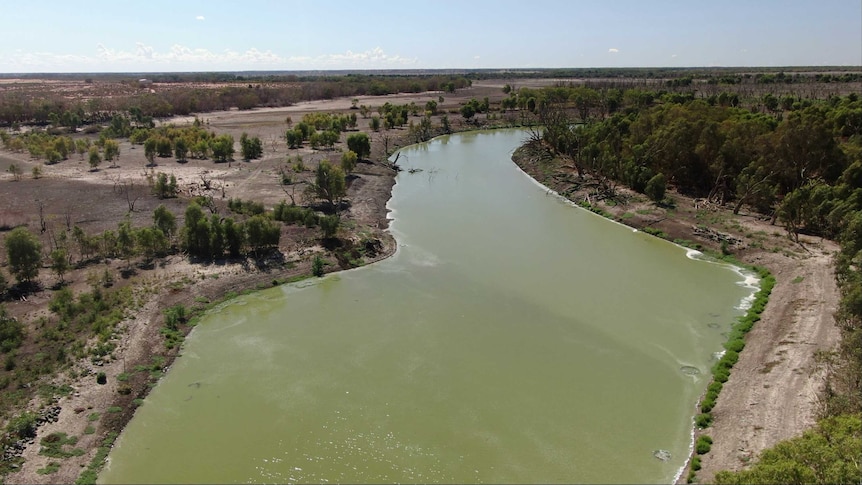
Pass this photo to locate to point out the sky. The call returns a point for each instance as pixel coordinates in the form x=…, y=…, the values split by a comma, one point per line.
x=254, y=35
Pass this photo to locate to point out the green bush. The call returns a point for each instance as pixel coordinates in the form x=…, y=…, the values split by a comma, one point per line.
x=23, y=426
x=703, y=444
x=703, y=420
x=175, y=315
x=695, y=463
x=101, y=378
x=707, y=404
x=735, y=345
x=317, y=266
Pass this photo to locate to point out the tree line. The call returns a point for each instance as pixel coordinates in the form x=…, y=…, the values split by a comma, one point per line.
x=17, y=108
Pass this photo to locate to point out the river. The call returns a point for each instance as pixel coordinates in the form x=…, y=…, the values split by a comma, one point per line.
x=512, y=338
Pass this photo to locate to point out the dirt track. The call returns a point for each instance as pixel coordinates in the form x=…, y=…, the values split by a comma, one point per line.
x=772, y=394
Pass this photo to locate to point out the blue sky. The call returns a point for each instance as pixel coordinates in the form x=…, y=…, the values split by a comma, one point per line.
x=179, y=35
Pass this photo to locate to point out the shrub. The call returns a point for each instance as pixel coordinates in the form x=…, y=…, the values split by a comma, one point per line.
x=101, y=378
x=317, y=266
x=703, y=420
x=695, y=463
x=703, y=445
x=735, y=345
x=174, y=316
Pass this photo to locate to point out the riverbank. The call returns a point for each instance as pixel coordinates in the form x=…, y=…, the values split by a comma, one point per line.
x=772, y=393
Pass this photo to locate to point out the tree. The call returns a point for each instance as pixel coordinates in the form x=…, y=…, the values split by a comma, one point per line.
x=360, y=144
x=151, y=242
x=829, y=453
x=348, y=161
x=165, y=187
x=181, y=149
x=60, y=262
x=163, y=146
x=250, y=148
x=196, y=231
x=16, y=171
x=656, y=187
x=112, y=151
x=234, y=237
x=150, y=150
x=126, y=240
x=444, y=123
x=261, y=232
x=24, y=253
x=95, y=159
x=293, y=138
x=222, y=148
x=329, y=184
x=468, y=111
x=330, y=225
x=165, y=221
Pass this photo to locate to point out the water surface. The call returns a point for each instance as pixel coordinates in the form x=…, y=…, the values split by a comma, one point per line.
x=512, y=338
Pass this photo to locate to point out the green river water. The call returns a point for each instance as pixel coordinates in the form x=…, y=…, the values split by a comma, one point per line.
x=512, y=338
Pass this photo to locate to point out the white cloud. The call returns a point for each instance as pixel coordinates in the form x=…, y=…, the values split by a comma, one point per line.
x=182, y=58
x=476, y=57
x=200, y=17
x=673, y=55
x=613, y=50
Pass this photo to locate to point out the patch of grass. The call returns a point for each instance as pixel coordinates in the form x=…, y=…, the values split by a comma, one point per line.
x=137, y=402
x=50, y=468
x=53, y=446
x=89, y=476
x=797, y=280
x=123, y=377
x=655, y=232
x=93, y=417
x=90, y=429
x=115, y=409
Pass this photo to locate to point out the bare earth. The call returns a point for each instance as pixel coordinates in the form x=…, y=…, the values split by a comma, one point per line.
x=770, y=396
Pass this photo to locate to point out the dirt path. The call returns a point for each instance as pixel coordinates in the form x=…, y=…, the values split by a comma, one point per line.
x=772, y=392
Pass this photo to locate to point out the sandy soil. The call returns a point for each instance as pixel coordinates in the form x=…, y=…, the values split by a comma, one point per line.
x=772, y=394
x=755, y=410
